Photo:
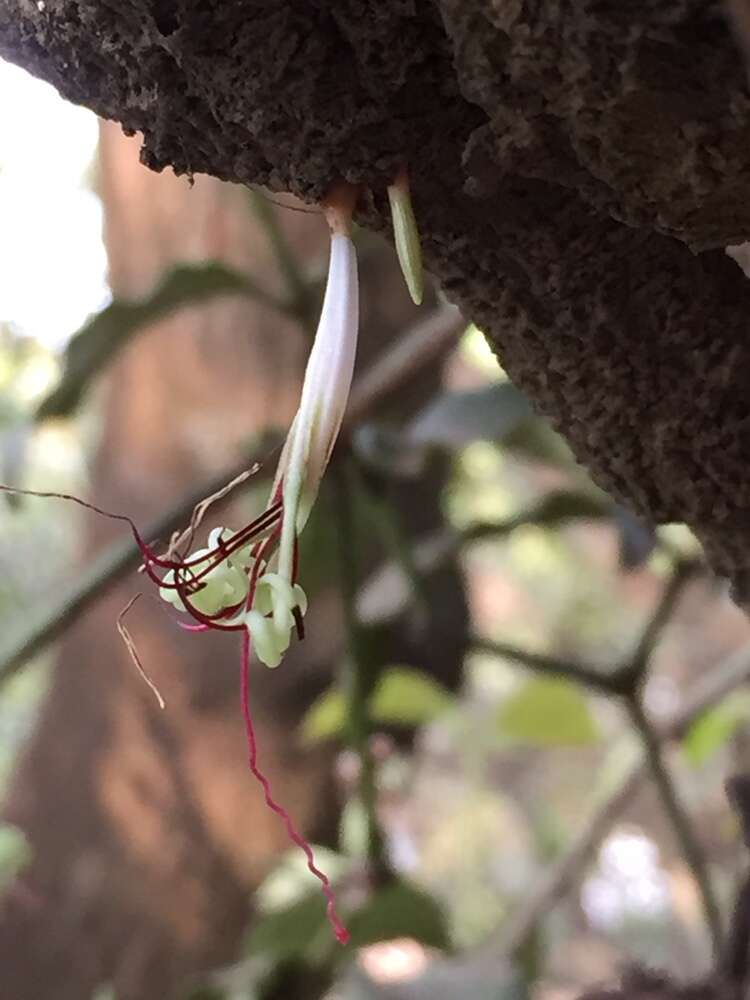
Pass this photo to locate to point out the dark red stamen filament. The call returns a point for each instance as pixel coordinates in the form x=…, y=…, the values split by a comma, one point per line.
x=260, y=553
x=342, y=934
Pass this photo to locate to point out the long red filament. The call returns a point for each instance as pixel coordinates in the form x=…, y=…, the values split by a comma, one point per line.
x=187, y=582
x=242, y=537
x=222, y=551
x=341, y=933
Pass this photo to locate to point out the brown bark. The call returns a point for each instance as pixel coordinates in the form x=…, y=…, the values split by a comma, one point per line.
x=567, y=158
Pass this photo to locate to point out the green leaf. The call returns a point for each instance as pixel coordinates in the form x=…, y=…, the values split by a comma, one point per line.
x=400, y=910
x=535, y=440
x=560, y=506
x=326, y=717
x=408, y=697
x=15, y=853
x=456, y=419
x=96, y=343
x=547, y=712
x=710, y=732
x=105, y=992
x=290, y=932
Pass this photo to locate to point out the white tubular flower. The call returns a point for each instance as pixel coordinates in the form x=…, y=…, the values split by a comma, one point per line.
x=243, y=580
x=308, y=447
x=325, y=392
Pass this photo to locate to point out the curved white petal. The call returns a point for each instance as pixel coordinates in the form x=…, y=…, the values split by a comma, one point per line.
x=328, y=379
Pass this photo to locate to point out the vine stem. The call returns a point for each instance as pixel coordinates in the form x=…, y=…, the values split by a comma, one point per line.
x=709, y=690
x=678, y=817
x=357, y=674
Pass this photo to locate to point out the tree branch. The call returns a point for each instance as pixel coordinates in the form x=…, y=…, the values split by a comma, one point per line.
x=632, y=674
x=709, y=690
x=679, y=818
x=543, y=663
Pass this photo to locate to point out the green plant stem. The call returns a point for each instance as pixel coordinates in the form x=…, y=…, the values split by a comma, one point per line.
x=357, y=674
x=387, y=520
x=679, y=818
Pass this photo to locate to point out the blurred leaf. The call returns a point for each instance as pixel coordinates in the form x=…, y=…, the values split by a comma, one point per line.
x=568, y=505
x=399, y=910
x=14, y=448
x=15, y=853
x=96, y=343
x=402, y=697
x=384, y=449
x=536, y=440
x=547, y=712
x=105, y=992
x=456, y=419
x=408, y=697
x=711, y=731
x=203, y=992
x=325, y=718
x=291, y=931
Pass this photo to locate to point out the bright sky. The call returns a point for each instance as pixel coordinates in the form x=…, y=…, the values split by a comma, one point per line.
x=52, y=261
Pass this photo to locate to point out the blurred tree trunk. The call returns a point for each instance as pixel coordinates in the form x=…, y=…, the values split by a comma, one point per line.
x=145, y=827
x=148, y=833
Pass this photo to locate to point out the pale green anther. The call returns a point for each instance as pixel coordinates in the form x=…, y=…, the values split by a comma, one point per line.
x=406, y=234
x=277, y=597
x=269, y=644
x=222, y=587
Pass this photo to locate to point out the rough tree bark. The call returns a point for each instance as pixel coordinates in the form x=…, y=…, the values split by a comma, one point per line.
x=568, y=159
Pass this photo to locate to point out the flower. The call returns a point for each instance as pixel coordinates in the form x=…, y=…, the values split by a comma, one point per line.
x=248, y=580
x=308, y=447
